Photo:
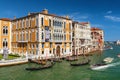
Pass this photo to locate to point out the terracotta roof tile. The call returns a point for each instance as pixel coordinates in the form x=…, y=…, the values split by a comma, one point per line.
x=84, y=23
x=95, y=28
x=33, y=14
x=5, y=19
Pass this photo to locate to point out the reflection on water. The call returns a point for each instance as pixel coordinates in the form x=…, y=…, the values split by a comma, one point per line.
x=63, y=71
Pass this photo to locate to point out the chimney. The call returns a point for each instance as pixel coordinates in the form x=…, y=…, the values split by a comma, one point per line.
x=45, y=11
x=67, y=17
x=28, y=13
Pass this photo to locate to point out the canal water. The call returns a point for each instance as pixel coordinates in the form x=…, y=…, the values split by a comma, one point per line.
x=63, y=71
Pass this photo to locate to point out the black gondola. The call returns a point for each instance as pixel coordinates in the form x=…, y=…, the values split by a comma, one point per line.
x=41, y=68
x=71, y=59
x=36, y=61
x=80, y=64
x=57, y=60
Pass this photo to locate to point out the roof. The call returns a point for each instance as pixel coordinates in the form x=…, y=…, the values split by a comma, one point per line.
x=84, y=23
x=33, y=14
x=5, y=19
x=81, y=23
x=95, y=28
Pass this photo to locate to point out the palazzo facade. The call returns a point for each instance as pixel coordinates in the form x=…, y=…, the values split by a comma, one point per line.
x=42, y=35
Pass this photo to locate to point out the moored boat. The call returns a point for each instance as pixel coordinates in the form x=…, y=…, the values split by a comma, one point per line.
x=111, y=47
x=41, y=68
x=57, y=60
x=80, y=64
x=118, y=55
x=37, y=61
x=108, y=47
x=71, y=58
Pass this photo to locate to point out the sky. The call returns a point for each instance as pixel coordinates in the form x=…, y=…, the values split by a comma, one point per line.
x=104, y=14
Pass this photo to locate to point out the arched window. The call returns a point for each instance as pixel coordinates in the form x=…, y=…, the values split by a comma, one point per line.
x=23, y=36
x=5, y=43
x=30, y=35
x=5, y=30
x=53, y=23
x=49, y=22
x=27, y=36
x=42, y=21
x=37, y=35
x=42, y=36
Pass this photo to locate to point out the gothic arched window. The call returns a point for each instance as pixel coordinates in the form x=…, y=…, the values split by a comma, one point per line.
x=5, y=30
x=5, y=43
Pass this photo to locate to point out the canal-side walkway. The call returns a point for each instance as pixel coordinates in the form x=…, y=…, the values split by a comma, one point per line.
x=13, y=62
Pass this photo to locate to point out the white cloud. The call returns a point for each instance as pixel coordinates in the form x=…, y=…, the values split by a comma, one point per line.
x=77, y=16
x=109, y=12
x=97, y=25
x=113, y=18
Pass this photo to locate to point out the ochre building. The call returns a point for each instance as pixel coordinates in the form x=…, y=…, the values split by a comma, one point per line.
x=5, y=34
x=42, y=35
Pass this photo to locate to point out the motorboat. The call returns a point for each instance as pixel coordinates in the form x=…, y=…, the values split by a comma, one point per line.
x=108, y=47
x=118, y=55
x=111, y=47
x=98, y=66
x=108, y=60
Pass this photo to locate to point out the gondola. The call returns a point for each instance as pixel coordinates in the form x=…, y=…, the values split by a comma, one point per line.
x=57, y=60
x=36, y=61
x=80, y=64
x=71, y=59
x=41, y=68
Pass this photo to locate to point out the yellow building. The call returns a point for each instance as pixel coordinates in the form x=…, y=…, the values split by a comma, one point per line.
x=5, y=34
x=42, y=35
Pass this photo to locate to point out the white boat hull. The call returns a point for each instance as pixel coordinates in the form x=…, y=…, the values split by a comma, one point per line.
x=108, y=60
x=98, y=67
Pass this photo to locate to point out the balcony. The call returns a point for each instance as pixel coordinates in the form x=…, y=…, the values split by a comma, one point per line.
x=22, y=41
x=59, y=40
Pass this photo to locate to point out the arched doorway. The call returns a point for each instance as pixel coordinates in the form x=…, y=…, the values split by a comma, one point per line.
x=58, y=50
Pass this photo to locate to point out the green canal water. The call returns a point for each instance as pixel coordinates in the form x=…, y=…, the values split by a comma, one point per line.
x=63, y=71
